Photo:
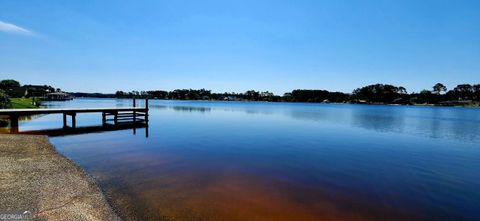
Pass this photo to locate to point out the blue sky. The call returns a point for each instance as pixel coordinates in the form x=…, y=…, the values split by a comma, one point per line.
x=275, y=45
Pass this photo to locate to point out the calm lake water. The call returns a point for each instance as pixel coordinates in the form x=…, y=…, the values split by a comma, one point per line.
x=283, y=161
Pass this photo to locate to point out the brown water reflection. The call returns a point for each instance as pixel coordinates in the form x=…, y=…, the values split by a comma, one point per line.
x=238, y=197
x=230, y=194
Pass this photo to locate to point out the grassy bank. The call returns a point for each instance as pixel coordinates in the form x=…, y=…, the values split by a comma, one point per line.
x=22, y=103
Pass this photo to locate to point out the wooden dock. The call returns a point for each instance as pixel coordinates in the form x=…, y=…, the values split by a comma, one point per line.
x=114, y=116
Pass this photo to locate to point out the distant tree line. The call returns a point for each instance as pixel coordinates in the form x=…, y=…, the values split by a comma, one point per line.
x=202, y=94
x=463, y=94
x=315, y=96
x=92, y=95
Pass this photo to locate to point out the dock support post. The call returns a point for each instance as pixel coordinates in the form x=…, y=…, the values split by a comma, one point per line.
x=115, y=118
x=104, y=118
x=146, y=111
x=74, y=121
x=64, y=120
x=134, y=114
x=14, y=124
x=146, y=131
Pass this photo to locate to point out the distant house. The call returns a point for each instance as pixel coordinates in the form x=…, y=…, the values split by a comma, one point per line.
x=357, y=101
x=29, y=91
x=231, y=98
x=38, y=90
x=57, y=96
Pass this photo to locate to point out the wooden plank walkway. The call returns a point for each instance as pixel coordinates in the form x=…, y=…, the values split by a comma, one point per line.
x=120, y=114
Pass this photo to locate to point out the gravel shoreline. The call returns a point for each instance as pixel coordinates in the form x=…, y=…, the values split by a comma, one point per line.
x=35, y=177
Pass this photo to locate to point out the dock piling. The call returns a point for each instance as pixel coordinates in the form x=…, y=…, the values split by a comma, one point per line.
x=74, y=120
x=104, y=118
x=146, y=110
x=134, y=113
x=14, y=124
x=115, y=118
x=64, y=120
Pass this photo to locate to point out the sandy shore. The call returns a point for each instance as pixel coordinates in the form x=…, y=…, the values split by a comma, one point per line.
x=34, y=177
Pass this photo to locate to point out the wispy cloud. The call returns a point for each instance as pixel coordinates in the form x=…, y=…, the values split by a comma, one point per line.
x=14, y=29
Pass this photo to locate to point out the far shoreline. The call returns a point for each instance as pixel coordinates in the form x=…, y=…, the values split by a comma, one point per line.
x=291, y=102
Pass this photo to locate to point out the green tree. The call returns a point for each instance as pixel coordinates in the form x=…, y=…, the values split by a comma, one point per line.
x=4, y=84
x=3, y=99
x=438, y=88
x=476, y=91
x=464, y=91
x=379, y=93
